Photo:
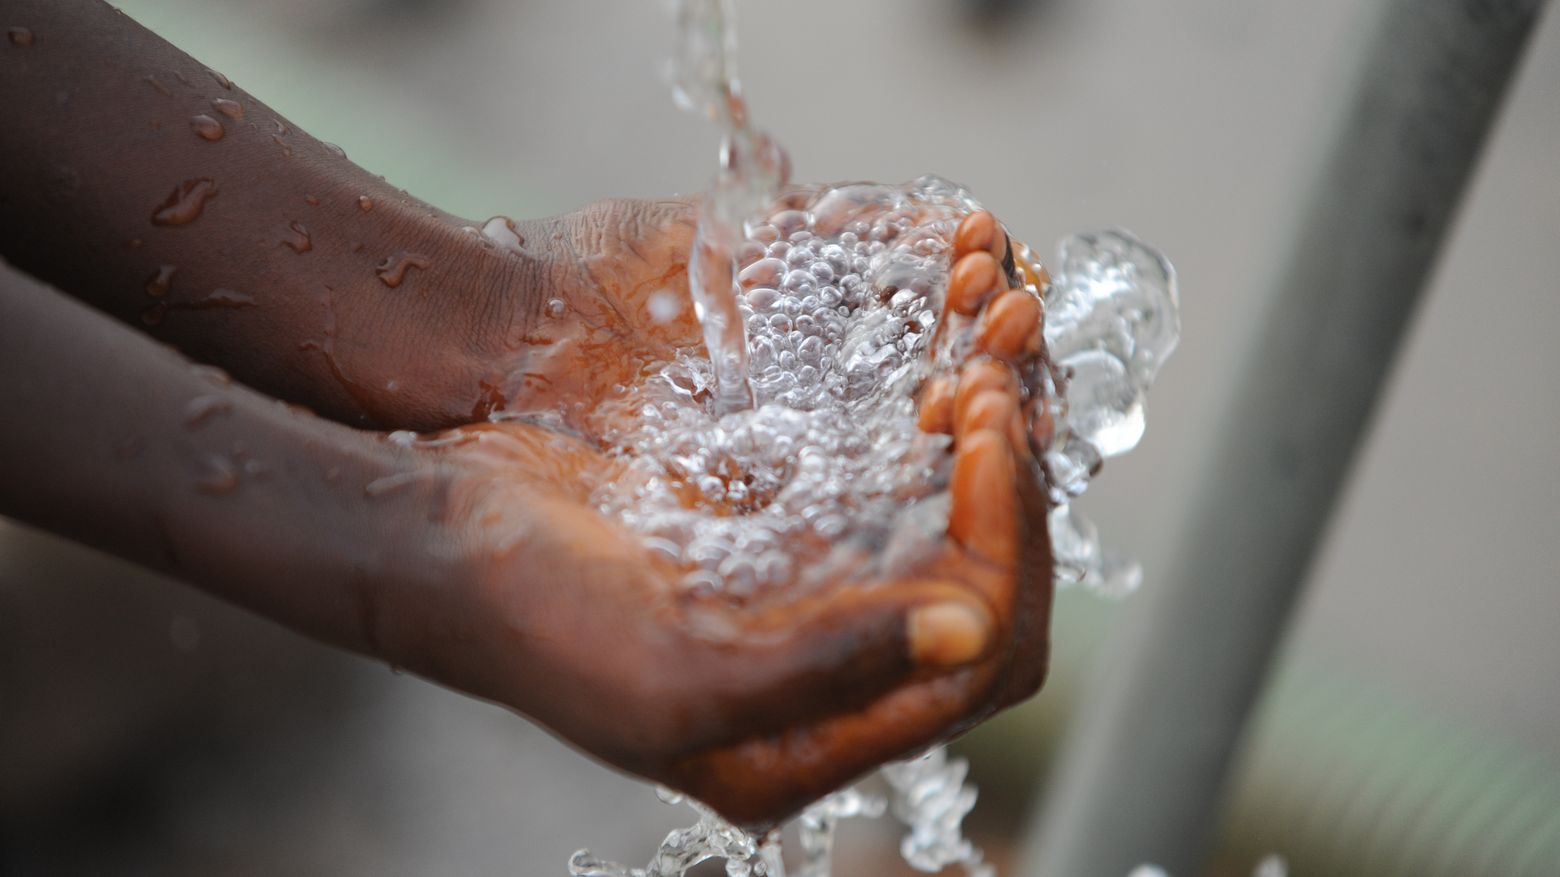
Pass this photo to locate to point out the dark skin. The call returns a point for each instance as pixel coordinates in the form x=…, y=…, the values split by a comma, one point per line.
x=476, y=560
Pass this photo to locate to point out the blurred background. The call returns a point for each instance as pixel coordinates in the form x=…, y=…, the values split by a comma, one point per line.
x=1412, y=725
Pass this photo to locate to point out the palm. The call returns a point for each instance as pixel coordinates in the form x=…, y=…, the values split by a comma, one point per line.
x=754, y=705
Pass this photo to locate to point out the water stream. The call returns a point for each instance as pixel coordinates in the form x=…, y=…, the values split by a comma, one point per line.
x=790, y=456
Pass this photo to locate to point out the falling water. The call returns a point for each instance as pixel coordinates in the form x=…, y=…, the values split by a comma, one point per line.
x=822, y=312
x=752, y=169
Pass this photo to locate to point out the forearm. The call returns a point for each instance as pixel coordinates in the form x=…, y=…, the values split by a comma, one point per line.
x=121, y=444
x=282, y=261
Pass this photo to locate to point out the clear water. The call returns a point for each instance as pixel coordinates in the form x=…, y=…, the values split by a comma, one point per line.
x=1110, y=323
x=928, y=795
x=753, y=167
x=840, y=295
x=791, y=456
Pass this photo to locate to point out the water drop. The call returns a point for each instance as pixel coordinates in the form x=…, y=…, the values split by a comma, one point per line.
x=230, y=108
x=664, y=305
x=365, y=203
x=501, y=231
x=221, y=298
x=199, y=410
x=206, y=127
x=298, y=241
x=556, y=308
x=218, y=476
x=213, y=374
x=158, y=285
x=394, y=268
x=333, y=149
x=185, y=203
x=311, y=200
x=221, y=80
x=20, y=36
x=286, y=150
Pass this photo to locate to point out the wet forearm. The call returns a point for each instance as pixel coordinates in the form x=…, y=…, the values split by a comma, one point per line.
x=121, y=444
x=136, y=179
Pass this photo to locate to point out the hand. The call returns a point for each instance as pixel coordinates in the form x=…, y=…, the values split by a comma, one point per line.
x=475, y=559
x=755, y=705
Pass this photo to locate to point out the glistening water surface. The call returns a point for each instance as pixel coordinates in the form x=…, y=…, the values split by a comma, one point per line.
x=787, y=454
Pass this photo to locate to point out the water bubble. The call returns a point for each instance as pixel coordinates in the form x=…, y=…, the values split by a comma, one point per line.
x=221, y=80
x=218, y=476
x=392, y=271
x=298, y=240
x=365, y=203
x=158, y=284
x=201, y=409
x=206, y=128
x=502, y=232
x=220, y=298
x=230, y=108
x=664, y=306
x=185, y=203
x=333, y=149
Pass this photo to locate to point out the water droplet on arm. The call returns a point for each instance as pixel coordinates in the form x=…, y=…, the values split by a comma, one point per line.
x=158, y=285
x=230, y=108
x=185, y=203
x=365, y=203
x=206, y=127
x=201, y=409
x=221, y=80
x=151, y=80
x=333, y=149
x=298, y=241
x=501, y=231
x=19, y=36
x=394, y=268
x=218, y=476
x=222, y=298
x=556, y=308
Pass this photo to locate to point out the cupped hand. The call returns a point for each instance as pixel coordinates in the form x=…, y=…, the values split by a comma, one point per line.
x=755, y=705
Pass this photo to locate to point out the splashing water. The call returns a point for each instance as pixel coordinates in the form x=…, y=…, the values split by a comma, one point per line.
x=753, y=167
x=841, y=297
x=927, y=794
x=1270, y=866
x=792, y=456
x=1111, y=322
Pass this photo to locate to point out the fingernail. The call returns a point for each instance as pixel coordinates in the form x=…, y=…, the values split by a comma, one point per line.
x=948, y=634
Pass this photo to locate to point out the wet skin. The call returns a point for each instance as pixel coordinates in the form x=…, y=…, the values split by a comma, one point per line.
x=344, y=308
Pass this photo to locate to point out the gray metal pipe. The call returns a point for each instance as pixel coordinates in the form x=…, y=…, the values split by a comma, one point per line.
x=1146, y=763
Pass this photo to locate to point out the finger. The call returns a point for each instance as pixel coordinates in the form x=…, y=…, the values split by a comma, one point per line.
x=989, y=409
x=759, y=782
x=975, y=277
x=984, y=515
x=976, y=233
x=936, y=410
x=977, y=377
x=1010, y=327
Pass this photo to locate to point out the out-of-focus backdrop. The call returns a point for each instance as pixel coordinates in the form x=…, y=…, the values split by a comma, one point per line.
x=1413, y=724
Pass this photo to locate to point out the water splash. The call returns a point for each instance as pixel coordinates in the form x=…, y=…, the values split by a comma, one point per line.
x=1111, y=322
x=841, y=296
x=927, y=794
x=753, y=167
x=1270, y=866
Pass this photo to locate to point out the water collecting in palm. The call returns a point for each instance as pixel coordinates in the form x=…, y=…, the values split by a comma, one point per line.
x=787, y=452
